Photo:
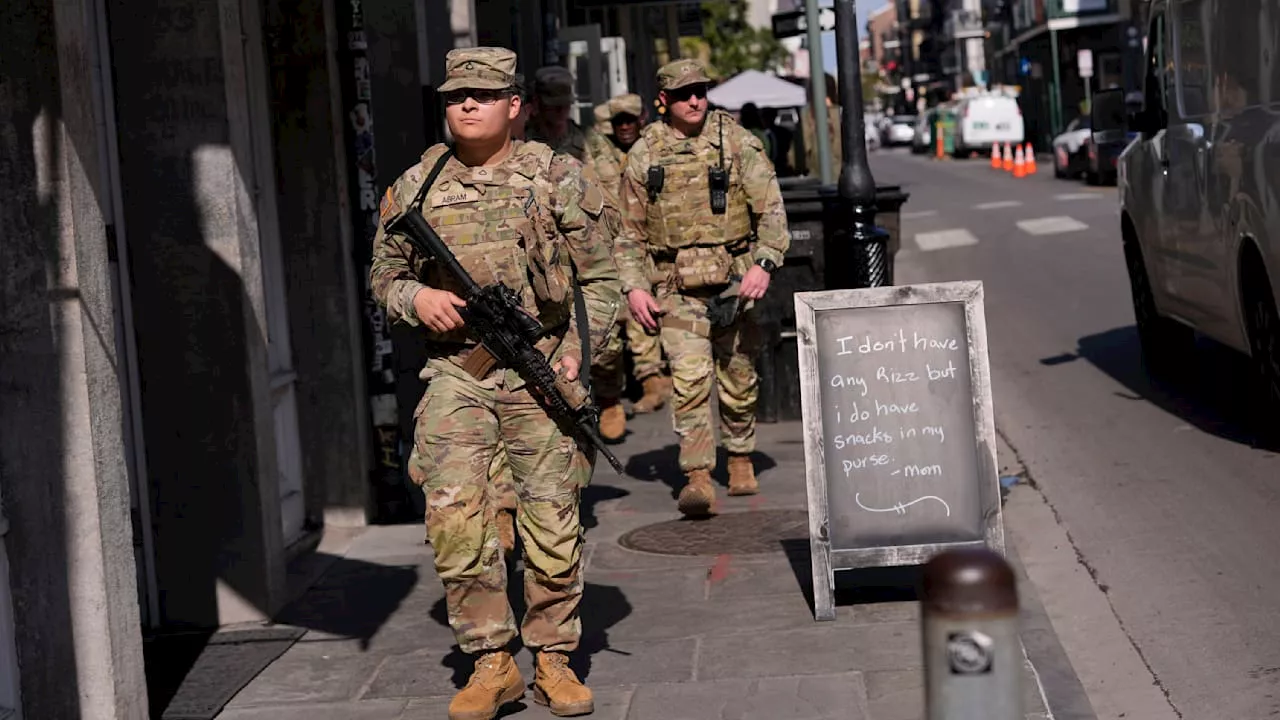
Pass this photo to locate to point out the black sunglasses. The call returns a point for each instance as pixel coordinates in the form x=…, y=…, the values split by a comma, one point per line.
x=480, y=95
x=688, y=91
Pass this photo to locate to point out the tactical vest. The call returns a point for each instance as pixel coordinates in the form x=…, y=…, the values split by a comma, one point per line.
x=498, y=222
x=681, y=215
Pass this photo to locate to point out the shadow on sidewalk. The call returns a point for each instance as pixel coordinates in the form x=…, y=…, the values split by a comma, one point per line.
x=866, y=586
x=664, y=464
x=1213, y=393
x=592, y=495
x=603, y=606
x=203, y=668
x=352, y=599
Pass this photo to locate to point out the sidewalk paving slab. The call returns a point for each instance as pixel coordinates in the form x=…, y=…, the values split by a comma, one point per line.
x=664, y=636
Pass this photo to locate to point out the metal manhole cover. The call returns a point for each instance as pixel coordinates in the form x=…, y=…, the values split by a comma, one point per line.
x=743, y=533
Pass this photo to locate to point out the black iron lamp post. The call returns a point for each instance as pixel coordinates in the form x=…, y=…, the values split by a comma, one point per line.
x=857, y=249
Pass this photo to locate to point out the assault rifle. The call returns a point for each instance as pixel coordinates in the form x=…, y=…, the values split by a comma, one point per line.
x=495, y=316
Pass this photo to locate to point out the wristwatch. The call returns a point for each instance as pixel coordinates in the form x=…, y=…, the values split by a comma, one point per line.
x=767, y=265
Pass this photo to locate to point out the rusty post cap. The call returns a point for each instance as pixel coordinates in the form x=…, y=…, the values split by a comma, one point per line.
x=970, y=580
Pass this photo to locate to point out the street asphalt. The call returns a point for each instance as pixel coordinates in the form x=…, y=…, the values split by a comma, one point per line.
x=1148, y=522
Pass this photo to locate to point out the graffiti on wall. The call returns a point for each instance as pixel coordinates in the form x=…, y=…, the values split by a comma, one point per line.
x=381, y=376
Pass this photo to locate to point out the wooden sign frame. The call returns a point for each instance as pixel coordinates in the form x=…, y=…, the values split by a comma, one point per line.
x=826, y=559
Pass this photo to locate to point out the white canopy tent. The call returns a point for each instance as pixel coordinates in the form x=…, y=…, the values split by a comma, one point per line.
x=756, y=87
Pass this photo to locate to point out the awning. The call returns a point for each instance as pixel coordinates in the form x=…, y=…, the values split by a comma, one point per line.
x=753, y=86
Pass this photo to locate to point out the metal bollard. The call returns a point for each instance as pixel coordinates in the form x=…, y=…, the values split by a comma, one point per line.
x=969, y=625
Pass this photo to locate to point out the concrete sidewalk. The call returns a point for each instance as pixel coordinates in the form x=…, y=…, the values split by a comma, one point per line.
x=668, y=637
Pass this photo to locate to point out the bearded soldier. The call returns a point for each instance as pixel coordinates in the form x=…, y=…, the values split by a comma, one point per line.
x=516, y=213
x=703, y=219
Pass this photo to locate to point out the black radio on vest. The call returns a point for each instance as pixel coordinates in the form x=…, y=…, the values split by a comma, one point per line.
x=718, y=181
x=654, y=182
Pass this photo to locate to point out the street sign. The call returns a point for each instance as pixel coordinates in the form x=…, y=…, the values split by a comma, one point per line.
x=1084, y=63
x=792, y=24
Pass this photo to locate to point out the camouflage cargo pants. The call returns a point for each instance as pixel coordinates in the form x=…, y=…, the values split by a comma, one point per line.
x=460, y=424
x=608, y=374
x=646, y=350
x=703, y=358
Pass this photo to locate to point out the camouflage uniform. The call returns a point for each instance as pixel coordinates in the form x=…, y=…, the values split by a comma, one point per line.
x=553, y=87
x=680, y=220
x=522, y=223
x=610, y=160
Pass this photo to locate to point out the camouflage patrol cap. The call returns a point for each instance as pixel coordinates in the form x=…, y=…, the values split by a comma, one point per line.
x=553, y=86
x=629, y=104
x=679, y=73
x=486, y=68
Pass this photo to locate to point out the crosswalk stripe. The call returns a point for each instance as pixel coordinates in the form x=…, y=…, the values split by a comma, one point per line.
x=1051, y=225
x=918, y=214
x=997, y=205
x=943, y=239
x=1078, y=196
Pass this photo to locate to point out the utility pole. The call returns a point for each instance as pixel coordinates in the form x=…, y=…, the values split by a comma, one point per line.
x=818, y=89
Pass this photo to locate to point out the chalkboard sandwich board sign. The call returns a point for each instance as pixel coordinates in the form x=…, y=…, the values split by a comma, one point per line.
x=899, y=432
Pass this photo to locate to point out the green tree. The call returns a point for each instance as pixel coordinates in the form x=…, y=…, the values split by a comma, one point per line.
x=735, y=45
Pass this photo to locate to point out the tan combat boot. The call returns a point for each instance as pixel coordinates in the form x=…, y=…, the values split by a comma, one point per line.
x=555, y=686
x=742, y=476
x=698, y=498
x=495, y=682
x=613, y=420
x=657, y=390
x=507, y=530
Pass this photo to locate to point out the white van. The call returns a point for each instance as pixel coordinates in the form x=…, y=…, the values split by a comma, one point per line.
x=1200, y=185
x=987, y=119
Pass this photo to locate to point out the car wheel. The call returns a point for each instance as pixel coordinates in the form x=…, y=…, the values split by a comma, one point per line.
x=1263, y=321
x=1167, y=345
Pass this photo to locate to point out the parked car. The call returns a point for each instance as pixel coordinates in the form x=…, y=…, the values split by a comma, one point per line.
x=901, y=130
x=922, y=142
x=1070, y=156
x=1104, y=157
x=1200, y=212
x=987, y=119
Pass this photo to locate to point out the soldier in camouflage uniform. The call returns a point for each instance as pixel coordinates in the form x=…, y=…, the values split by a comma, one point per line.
x=517, y=213
x=625, y=118
x=550, y=123
x=702, y=252
x=549, y=118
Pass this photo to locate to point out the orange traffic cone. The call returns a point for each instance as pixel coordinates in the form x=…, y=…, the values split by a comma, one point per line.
x=1008, y=158
x=995, y=156
x=1019, y=163
x=1030, y=156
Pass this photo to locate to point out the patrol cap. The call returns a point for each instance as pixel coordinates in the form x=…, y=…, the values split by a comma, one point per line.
x=679, y=73
x=629, y=104
x=553, y=86
x=602, y=124
x=485, y=68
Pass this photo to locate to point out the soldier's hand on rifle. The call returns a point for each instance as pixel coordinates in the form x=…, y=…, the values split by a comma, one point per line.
x=436, y=309
x=569, y=365
x=754, y=283
x=644, y=308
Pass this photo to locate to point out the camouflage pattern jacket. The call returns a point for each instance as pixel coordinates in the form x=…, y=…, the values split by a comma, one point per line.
x=532, y=222
x=574, y=142
x=680, y=216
